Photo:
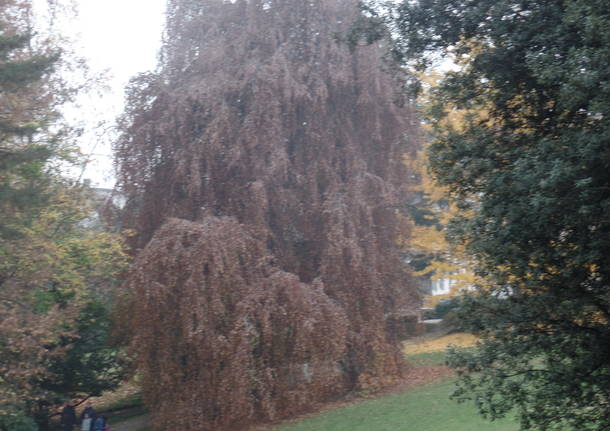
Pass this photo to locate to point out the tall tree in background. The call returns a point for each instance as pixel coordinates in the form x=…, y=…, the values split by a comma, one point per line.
x=426, y=248
x=263, y=168
x=54, y=273
x=532, y=166
x=26, y=107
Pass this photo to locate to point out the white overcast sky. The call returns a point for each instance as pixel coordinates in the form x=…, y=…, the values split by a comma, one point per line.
x=121, y=37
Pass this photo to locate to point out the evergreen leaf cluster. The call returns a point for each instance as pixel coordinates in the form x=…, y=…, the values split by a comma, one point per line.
x=530, y=165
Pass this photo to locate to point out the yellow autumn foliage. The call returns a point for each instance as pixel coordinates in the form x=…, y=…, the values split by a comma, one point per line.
x=448, y=261
x=439, y=344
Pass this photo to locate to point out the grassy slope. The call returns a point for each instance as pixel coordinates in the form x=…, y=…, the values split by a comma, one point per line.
x=426, y=408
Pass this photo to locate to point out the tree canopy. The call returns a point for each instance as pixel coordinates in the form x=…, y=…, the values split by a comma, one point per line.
x=531, y=165
x=54, y=272
x=262, y=167
x=427, y=248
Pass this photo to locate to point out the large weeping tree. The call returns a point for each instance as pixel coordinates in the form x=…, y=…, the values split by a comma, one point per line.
x=262, y=166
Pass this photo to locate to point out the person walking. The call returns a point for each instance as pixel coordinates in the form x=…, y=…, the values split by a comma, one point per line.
x=85, y=423
x=88, y=413
x=68, y=416
x=100, y=424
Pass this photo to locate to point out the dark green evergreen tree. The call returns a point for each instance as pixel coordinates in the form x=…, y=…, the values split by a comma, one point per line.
x=532, y=164
x=23, y=157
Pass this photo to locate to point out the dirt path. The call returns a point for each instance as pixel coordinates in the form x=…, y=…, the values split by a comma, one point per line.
x=139, y=423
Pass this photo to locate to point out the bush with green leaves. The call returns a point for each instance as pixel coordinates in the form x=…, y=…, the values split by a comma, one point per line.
x=529, y=165
x=17, y=421
x=445, y=306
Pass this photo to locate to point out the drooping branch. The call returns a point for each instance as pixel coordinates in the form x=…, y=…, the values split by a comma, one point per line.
x=276, y=153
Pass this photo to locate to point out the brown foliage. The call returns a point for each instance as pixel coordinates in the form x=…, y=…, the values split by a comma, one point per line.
x=262, y=167
x=234, y=337
x=29, y=343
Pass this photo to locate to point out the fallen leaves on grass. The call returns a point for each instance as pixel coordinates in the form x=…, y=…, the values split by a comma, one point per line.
x=413, y=347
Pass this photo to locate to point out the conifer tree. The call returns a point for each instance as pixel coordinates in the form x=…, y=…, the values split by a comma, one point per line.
x=22, y=117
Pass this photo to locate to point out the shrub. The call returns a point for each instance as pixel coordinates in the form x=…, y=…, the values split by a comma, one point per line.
x=446, y=306
x=16, y=421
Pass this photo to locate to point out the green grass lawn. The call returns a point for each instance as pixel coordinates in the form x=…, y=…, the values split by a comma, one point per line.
x=426, y=408
x=426, y=359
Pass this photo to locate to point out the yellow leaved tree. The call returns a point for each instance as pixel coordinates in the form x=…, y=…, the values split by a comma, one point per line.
x=443, y=268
